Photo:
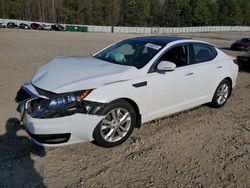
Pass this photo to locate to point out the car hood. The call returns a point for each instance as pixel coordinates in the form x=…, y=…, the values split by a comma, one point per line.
x=66, y=74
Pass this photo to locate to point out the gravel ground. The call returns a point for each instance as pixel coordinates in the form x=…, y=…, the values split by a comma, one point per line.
x=202, y=147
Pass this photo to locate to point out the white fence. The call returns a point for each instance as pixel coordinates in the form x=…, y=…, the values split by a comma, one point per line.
x=150, y=30
x=99, y=29
x=163, y=30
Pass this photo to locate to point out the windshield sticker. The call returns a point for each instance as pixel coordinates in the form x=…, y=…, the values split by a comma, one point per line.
x=153, y=46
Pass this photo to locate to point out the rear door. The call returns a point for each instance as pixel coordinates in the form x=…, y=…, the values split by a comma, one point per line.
x=206, y=70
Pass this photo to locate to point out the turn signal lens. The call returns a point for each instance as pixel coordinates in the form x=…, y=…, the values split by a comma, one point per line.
x=84, y=94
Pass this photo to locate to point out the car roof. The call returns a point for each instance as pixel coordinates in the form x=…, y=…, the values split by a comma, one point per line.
x=157, y=39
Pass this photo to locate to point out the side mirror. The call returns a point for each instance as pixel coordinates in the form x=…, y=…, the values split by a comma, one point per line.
x=166, y=66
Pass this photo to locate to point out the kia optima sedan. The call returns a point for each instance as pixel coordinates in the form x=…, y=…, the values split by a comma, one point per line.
x=104, y=97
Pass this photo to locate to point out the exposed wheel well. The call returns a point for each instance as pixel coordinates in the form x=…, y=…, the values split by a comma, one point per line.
x=137, y=111
x=231, y=83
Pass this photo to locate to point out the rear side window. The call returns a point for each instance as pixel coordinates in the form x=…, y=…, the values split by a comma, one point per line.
x=202, y=53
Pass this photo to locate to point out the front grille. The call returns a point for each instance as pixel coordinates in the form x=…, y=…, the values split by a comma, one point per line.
x=33, y=105
x=51, y=138
x=22, y=95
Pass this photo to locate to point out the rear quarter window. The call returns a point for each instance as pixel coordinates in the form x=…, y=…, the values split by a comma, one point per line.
x=202, y=52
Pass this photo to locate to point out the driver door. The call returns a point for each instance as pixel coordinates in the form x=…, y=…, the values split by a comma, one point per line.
x=170, y=92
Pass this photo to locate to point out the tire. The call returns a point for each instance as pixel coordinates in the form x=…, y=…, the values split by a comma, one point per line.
x=222, y=93
x=117, y=125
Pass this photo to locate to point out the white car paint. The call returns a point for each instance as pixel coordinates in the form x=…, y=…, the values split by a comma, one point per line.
x=165, y=94
x=80, y=126
x=78, y=73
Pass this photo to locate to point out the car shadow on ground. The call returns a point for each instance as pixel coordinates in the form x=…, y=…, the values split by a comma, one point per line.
x=247, y=70
x=226, y=48
x=233, y=50
x=230, y=49
x=16, y=164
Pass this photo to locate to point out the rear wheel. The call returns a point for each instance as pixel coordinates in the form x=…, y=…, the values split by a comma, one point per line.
x=221, y=94
x=117, y=125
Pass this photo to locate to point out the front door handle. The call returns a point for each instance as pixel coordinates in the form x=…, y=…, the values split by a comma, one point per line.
x=189, y=74
x=219, y=67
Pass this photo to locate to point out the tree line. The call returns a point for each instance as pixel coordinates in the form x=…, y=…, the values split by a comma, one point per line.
x=159, y=13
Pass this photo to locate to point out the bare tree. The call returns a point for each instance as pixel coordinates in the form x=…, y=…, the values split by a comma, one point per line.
x=53, y=11
x=3, y=7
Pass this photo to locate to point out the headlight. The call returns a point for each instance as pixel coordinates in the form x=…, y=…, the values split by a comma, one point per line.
x=64, y=103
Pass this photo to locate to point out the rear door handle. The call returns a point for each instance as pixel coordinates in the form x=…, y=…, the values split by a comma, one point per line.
x=189, y=74
x=219, y=67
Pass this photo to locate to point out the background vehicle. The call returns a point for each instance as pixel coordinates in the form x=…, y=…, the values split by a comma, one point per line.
x=57, y=27
x=242, y=45
x=36, y=26
x=244, y=61
x=24, y=26
x=47, y=27
x=2, y=25
x=12, y=25
x=129, y=83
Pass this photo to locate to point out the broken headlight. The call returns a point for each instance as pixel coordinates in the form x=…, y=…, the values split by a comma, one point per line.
x=58, y=106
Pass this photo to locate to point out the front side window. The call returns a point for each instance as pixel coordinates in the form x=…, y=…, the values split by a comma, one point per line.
x=202, y=53
x=130, y=52
x=177, y=55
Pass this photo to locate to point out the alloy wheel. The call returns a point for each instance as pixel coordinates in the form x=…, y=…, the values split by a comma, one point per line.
x=222, y=94
x=115, y=125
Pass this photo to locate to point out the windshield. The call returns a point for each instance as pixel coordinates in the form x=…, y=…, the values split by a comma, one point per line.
x=130, y=53
x=245, y=40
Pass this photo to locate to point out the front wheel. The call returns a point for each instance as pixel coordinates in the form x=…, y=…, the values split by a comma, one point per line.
x=117, y=125
x=221, y=94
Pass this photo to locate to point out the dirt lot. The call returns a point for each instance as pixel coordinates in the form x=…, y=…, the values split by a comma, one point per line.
x=203, y=147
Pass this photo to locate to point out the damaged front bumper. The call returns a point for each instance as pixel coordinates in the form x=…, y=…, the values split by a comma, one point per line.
x=67, y=126
x=61, y=131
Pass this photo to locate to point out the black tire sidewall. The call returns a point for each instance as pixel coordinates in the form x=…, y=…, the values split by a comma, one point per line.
x=214, y=103
x=98, y=140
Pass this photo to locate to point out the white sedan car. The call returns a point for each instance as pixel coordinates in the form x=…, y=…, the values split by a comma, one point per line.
x=104, y=97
